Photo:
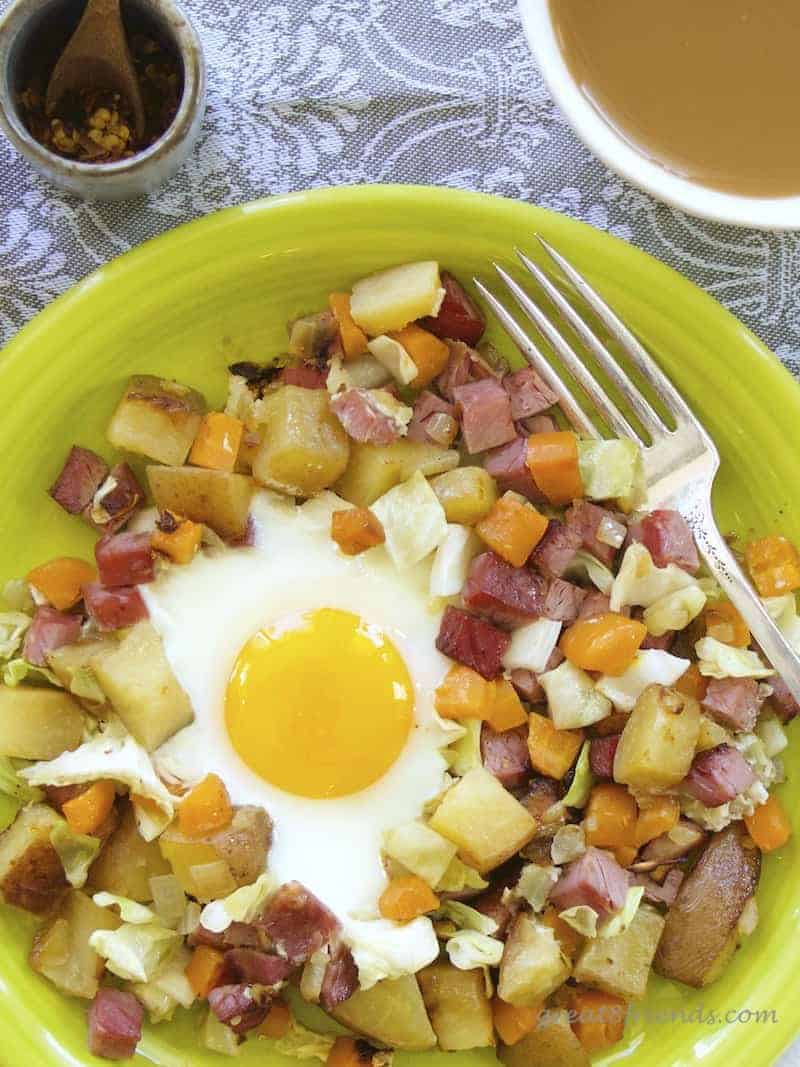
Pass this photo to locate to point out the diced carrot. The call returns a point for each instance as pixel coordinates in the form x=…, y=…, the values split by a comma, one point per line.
x=177, y=537
x=625, y=854
x=553, y=461
x=205, y=970
x=511, y=1022
x=344, y=1053
x=512, y=529
x=609, y=820
x=657, y=819
x=692, y=683
x=216, y=445
x=278, y=1020
x=356, y=529
x=552, y=751
x=206, y=808
x=463, y=694
x=567, y=936
x=607, y=642
x=60, y=580
x=86, y=812
x=612, y=724
x=723, y=622
x=505, y=709
x=599, y=1018
x=769, y=825
x=774, y=565
x=426, y=350
x=407, y=898
x=354, y=340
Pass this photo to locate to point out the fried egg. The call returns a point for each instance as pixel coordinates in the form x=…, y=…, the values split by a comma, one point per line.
x=312, y=677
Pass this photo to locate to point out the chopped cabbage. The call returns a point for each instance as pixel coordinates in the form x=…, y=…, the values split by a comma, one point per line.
x=85, y=687
x=581, y=918
x=640, y=582
x=569, y=843
x=168, y=988
x=17, y=671
x=400, y=413
x=675, y=610
x=129, y=911
x=619, y=923
x=611, y=470
x=17, y=595
x=573, y=701
x=217, y=1037
x=169, y=899
x=717, y=660
x=753, y=750
x=452, y=560
x=135, y=952
x=313, y=975
x=650, y=667
x=469, y=950
x=783, y=612
x=459, y=877
x=383, y=949
x=242, y=906
x=420, y=850
x=582, y=781
x=12, y=785
x=535, y=883
x=13, y=625
x=584, y=565
x=413, y=521
x=304, y=1044
x=77, y=853
x=465, y=753
x=160, y=1006
x=467, y=918
x=362, y=373
x=391, y=354
x=772, y=734
x=532, y=645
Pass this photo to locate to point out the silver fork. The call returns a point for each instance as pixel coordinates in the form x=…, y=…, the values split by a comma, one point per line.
x=680, y=464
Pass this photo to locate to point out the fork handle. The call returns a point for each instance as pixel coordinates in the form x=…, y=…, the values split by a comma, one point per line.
x=723, y=565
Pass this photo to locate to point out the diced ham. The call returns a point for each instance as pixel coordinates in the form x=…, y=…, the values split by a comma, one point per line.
x=239, y=1006
x=115, y=501
x=718, y=775
x=340, y=980
x=503, y=593
x=663, y=643
x=508, y=466
x=506, y=755
x=298, y=923
x=667, y=537
x=782, y=701
x=563, y=601
x=485, y=412
x=112, y=609
x=586, y=517
x=79, y=480
x=595, y=880
x=733, y=702
x=601, y=755
x=115, y=1024
x=557, y=549
x=362, y=417
x=528, y=393
x=527, y=686
x=492, y=904
x=459, y=318
x=538, y=424
x=457, y=371
x=306, y=375
x=255, y=967
x=664, y=893
x=596, y=603
x=125, y=559
x=237, y=935
x=49, y=630
x=429, y=404
x=473, y=642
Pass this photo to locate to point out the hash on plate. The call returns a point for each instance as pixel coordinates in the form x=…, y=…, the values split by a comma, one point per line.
x=382, y=694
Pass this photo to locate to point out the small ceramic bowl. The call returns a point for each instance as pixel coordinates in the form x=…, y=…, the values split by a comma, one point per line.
x=29, y=23
x=767, y=213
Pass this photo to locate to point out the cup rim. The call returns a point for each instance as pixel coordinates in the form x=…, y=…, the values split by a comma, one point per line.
x=191, y=53
x=765, y=213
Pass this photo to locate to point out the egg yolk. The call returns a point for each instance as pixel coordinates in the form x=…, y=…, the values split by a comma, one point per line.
x=320, y=708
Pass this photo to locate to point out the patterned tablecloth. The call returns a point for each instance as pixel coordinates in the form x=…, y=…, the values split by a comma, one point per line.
x=325, y=92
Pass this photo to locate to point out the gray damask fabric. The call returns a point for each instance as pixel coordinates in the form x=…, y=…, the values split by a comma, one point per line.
x=341, y=91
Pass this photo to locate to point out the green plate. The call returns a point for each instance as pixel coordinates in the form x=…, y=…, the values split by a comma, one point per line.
x=221, y=290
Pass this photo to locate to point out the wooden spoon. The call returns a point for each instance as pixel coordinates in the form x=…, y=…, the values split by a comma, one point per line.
x=97, y=57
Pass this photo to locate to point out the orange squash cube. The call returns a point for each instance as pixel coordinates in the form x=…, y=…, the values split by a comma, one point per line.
x=177, y=538
x=769, y=825
x=553, y=461
x=599, y=1018
x=407, y=898
x=505, y=710
x=356, y=529
x=426, y=350
x=567, y=936
x=61, y=580
x=206, y=808
x=512, y=1023
x=774, y=565
x=512, y=529
x=610, y=817
x=278, y=1020
x=724, y=623
x=552, y=751
x=86, y=812
x=216, y=445
x=344, y=1053
x=205, y=969
x=607, y=642
x=692, y=683
x=354, y=340
x=463, y=694
x=657, y=819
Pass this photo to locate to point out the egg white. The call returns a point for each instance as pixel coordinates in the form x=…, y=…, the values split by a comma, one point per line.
x=205, y=613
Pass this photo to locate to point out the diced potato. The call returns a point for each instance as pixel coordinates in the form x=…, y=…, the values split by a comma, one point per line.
x=458, y=1007
x=71, y=660
x=391, y=1012
x=157, y=418
x=31, y=874
x=533, y=965
x=483, y=819
x=304, y=447
x=711, y=734
x=467, y=494
x=127, y=862
x=243, y=846
x=551, y=1044
x=658, y=742
x=140, y=685
x=392, y=298
x=621, y=964
x=38, y=724
x=375, y=469
x=61, y=950
x=219, y=499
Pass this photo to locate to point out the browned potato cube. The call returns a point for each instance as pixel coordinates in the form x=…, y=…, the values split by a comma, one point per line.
x=38, y=724
x=157, y=418
x=374, y=469
x=219, y=499
x=391, y=1012
x=72, y=662
x=621, y=964
x=458, y=1007
x=533, y=965
x=466, y=494
x=658, y=741
x=551, y=1044
x=127, y=862
x=61, y=950
x=31, y=874
x=304, y=447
